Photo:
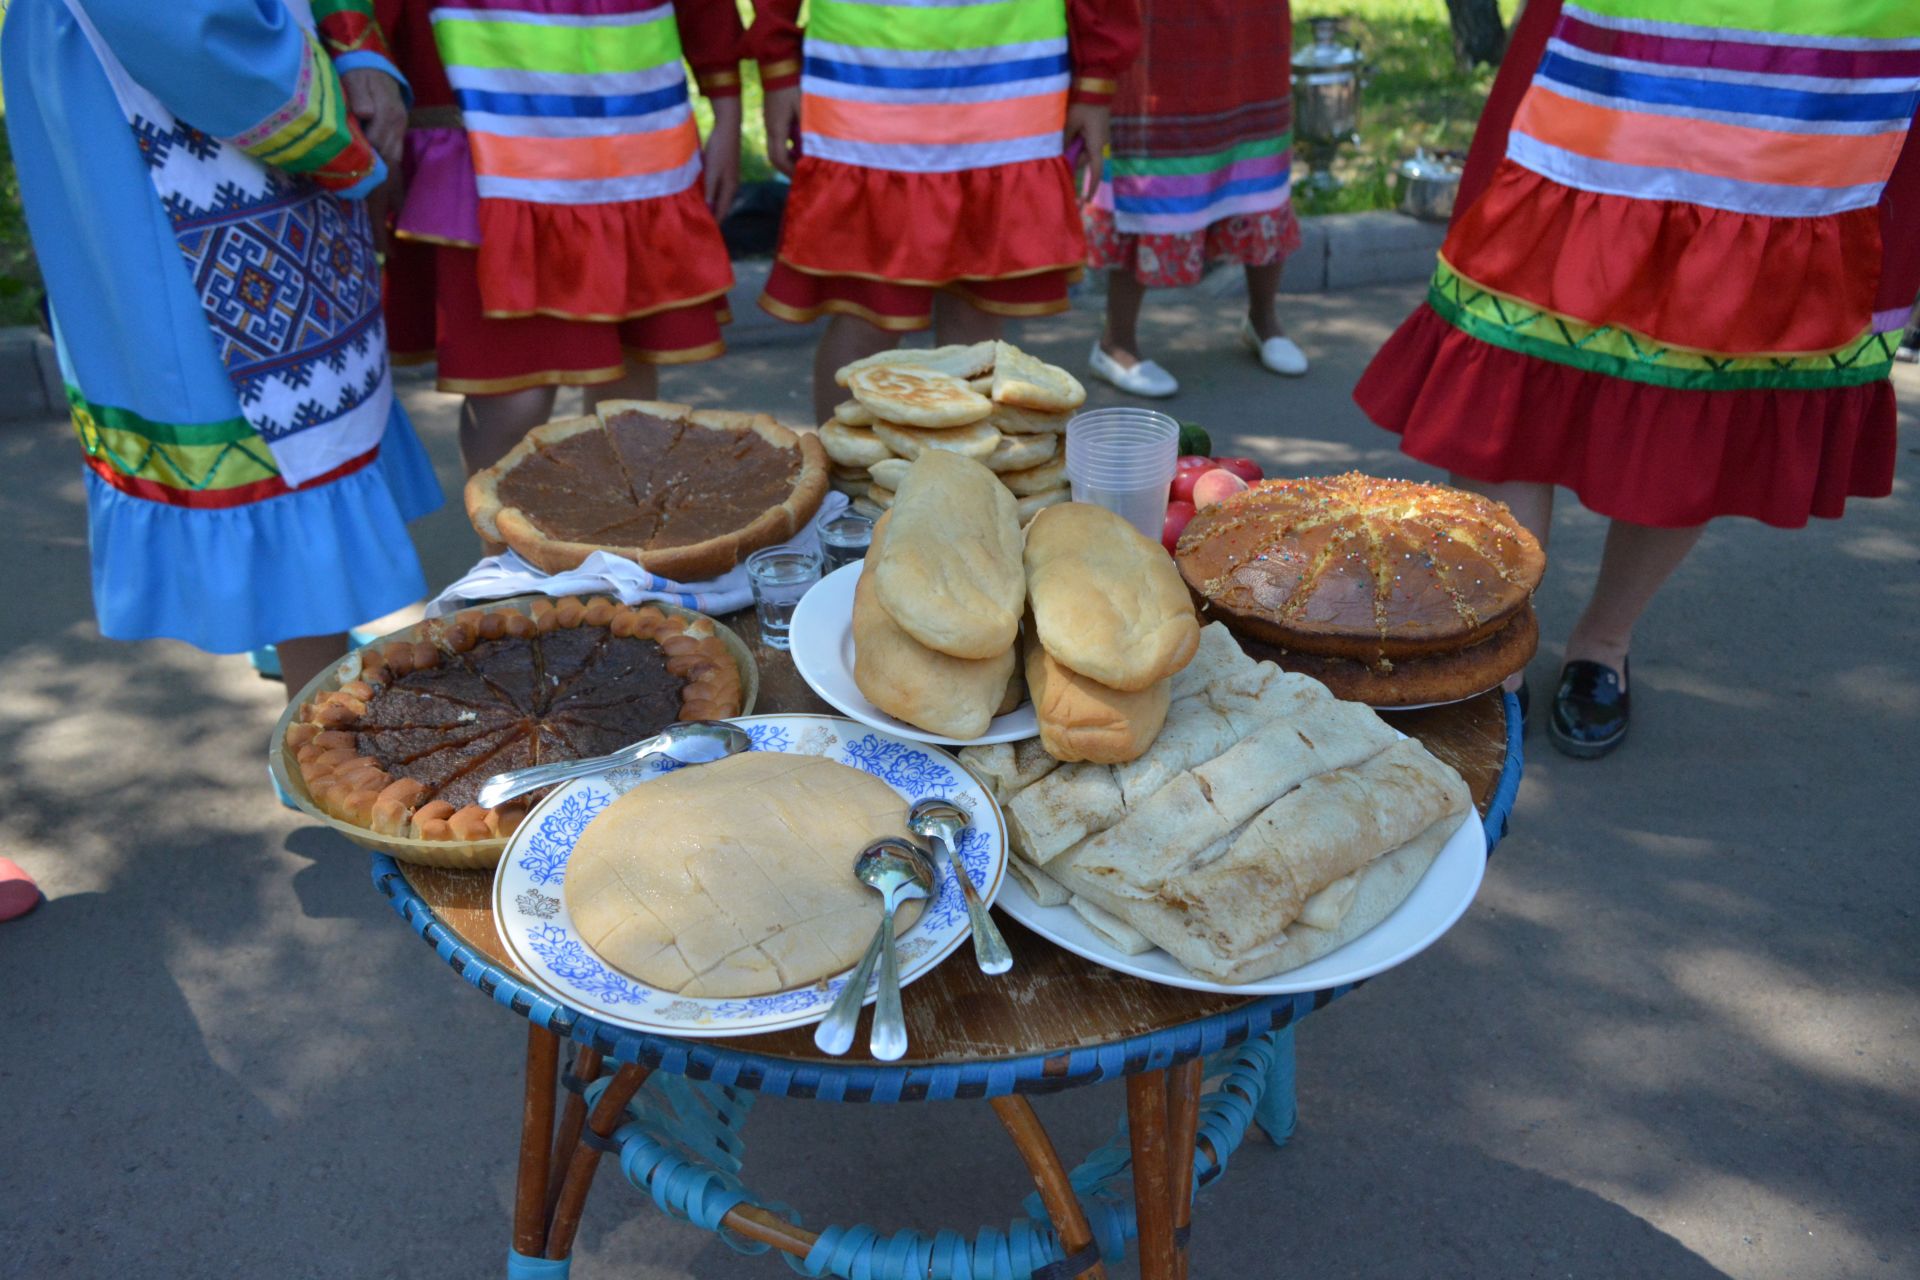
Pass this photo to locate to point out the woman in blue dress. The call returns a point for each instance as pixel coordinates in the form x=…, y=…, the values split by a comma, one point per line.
x=193, y=176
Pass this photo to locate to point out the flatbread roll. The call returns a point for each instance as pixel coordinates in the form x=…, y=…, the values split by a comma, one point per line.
x=1107, y=601
x=976, y=440
x=1032, y=383
x=852, y=446
x=853, y=414
x=950, y=573
x=880, y=496
x=1044, y=478
x=1012, y=420
x=1062, y=809
x=1019, y=453
x=1009, y=767
x=953, y=697
x=1029, y=507
x=1109, y=928
x=852, y=488
x=1041, y=887
x=889, y=472
x=969, y=360
x=918, y=397
x=1081, y=719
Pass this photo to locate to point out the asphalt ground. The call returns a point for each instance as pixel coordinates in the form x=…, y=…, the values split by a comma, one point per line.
x=1675, y=1037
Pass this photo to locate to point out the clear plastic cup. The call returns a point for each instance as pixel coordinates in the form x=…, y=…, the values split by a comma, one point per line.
x=1123, y=460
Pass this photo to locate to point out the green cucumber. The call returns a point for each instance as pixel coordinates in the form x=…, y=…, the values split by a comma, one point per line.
x=1195, y=440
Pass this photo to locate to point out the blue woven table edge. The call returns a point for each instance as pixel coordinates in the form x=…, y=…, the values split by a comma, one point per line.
x=873, y=1082
x=1500, y=804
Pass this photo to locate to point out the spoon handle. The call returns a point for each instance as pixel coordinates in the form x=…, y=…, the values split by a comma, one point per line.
x=990, y=949
x=889, y=1040
x=502, y=787
x=834, y=1035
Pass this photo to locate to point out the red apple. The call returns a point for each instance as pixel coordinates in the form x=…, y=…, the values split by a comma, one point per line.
x=1178, y=513
x=1214, y=485
x=1185, y=472
x=1246, y=468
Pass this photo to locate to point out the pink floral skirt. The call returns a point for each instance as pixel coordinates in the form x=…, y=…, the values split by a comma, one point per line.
x=1173, y=261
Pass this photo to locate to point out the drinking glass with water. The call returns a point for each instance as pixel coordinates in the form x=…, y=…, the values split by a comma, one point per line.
x=780, y=576
x=844, y=539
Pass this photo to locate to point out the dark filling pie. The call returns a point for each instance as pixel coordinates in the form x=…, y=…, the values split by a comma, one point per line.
x=647, y=481
x=406, y=748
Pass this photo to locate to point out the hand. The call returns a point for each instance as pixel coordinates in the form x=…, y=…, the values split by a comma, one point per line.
x=1090, y=124
x=374, y=98
x=721, y=157
x=783, y=128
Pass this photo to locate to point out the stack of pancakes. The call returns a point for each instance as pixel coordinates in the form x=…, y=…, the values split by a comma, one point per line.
x=988, y=401
x=1390, y=592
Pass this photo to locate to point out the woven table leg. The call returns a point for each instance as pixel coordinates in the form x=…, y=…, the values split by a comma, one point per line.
x=1050, y=1177
x=573, y=1117
x=536, y=1135
x=585, y=1159
x=1183, y=1129
x=1152, y=1174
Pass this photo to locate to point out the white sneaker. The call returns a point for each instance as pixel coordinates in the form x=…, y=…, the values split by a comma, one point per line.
x=1143, y=379
x=1281, y=355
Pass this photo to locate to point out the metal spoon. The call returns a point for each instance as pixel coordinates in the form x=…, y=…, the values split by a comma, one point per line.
x=688, y=741
x=940, y=822
x=897, y=870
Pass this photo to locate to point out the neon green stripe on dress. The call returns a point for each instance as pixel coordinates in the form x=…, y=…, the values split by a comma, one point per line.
x=530, y=46
x=1502, y=320
x=192, y=455
x=1872, y=19
x=974, y=26
x=1154, y=165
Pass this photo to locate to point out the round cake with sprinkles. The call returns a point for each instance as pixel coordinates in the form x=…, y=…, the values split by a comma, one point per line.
x=1390, y=591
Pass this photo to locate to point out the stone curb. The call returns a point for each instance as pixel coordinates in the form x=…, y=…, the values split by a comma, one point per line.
x=1338, y=251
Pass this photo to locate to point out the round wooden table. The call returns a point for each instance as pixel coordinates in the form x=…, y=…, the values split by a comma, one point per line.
x=1056, y=1021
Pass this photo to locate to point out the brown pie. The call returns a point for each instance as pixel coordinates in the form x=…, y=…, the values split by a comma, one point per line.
x=685, y=493
x=403, y=749
x=1374, y=586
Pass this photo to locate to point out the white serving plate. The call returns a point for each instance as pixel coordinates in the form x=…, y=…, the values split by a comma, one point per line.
x=1440, y=898
x=822, y=646
x=530, y=910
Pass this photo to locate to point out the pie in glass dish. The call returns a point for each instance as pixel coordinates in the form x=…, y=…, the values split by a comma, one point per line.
x=402, y=748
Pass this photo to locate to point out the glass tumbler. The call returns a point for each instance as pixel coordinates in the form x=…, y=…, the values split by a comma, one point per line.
x=844, y=540
x=779, y=577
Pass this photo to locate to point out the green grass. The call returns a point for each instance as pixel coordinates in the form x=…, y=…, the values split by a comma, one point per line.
x=1417, y=95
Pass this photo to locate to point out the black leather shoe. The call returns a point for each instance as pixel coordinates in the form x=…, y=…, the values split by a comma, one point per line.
x=1589, y=711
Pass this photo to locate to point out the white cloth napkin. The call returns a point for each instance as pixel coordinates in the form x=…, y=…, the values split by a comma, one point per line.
x=508, y=575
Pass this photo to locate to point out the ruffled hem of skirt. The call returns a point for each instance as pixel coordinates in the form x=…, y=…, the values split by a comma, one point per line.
x=311, y=562
x=932, y=228
x=1630, y=450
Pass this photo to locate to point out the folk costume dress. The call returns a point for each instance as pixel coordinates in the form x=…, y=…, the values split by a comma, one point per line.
x=1684, y=247
x=193, y=184
x=554, y=226
x=931, y=153
x=1202, y=145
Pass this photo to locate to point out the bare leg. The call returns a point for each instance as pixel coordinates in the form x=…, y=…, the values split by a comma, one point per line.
x=1125, y=296
x=848, y=338
x=1263, y=291
x=1532, y=506
x=491, y=425
x=957, y=320
x=304, y=657
x=642, y=382
x=1637, y=560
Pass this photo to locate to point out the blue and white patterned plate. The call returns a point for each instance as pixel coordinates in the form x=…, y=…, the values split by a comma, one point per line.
x=531, y=912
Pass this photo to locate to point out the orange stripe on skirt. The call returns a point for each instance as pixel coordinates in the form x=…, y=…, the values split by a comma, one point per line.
x=1705, y=146
x=934, y=123
x=619, y=156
